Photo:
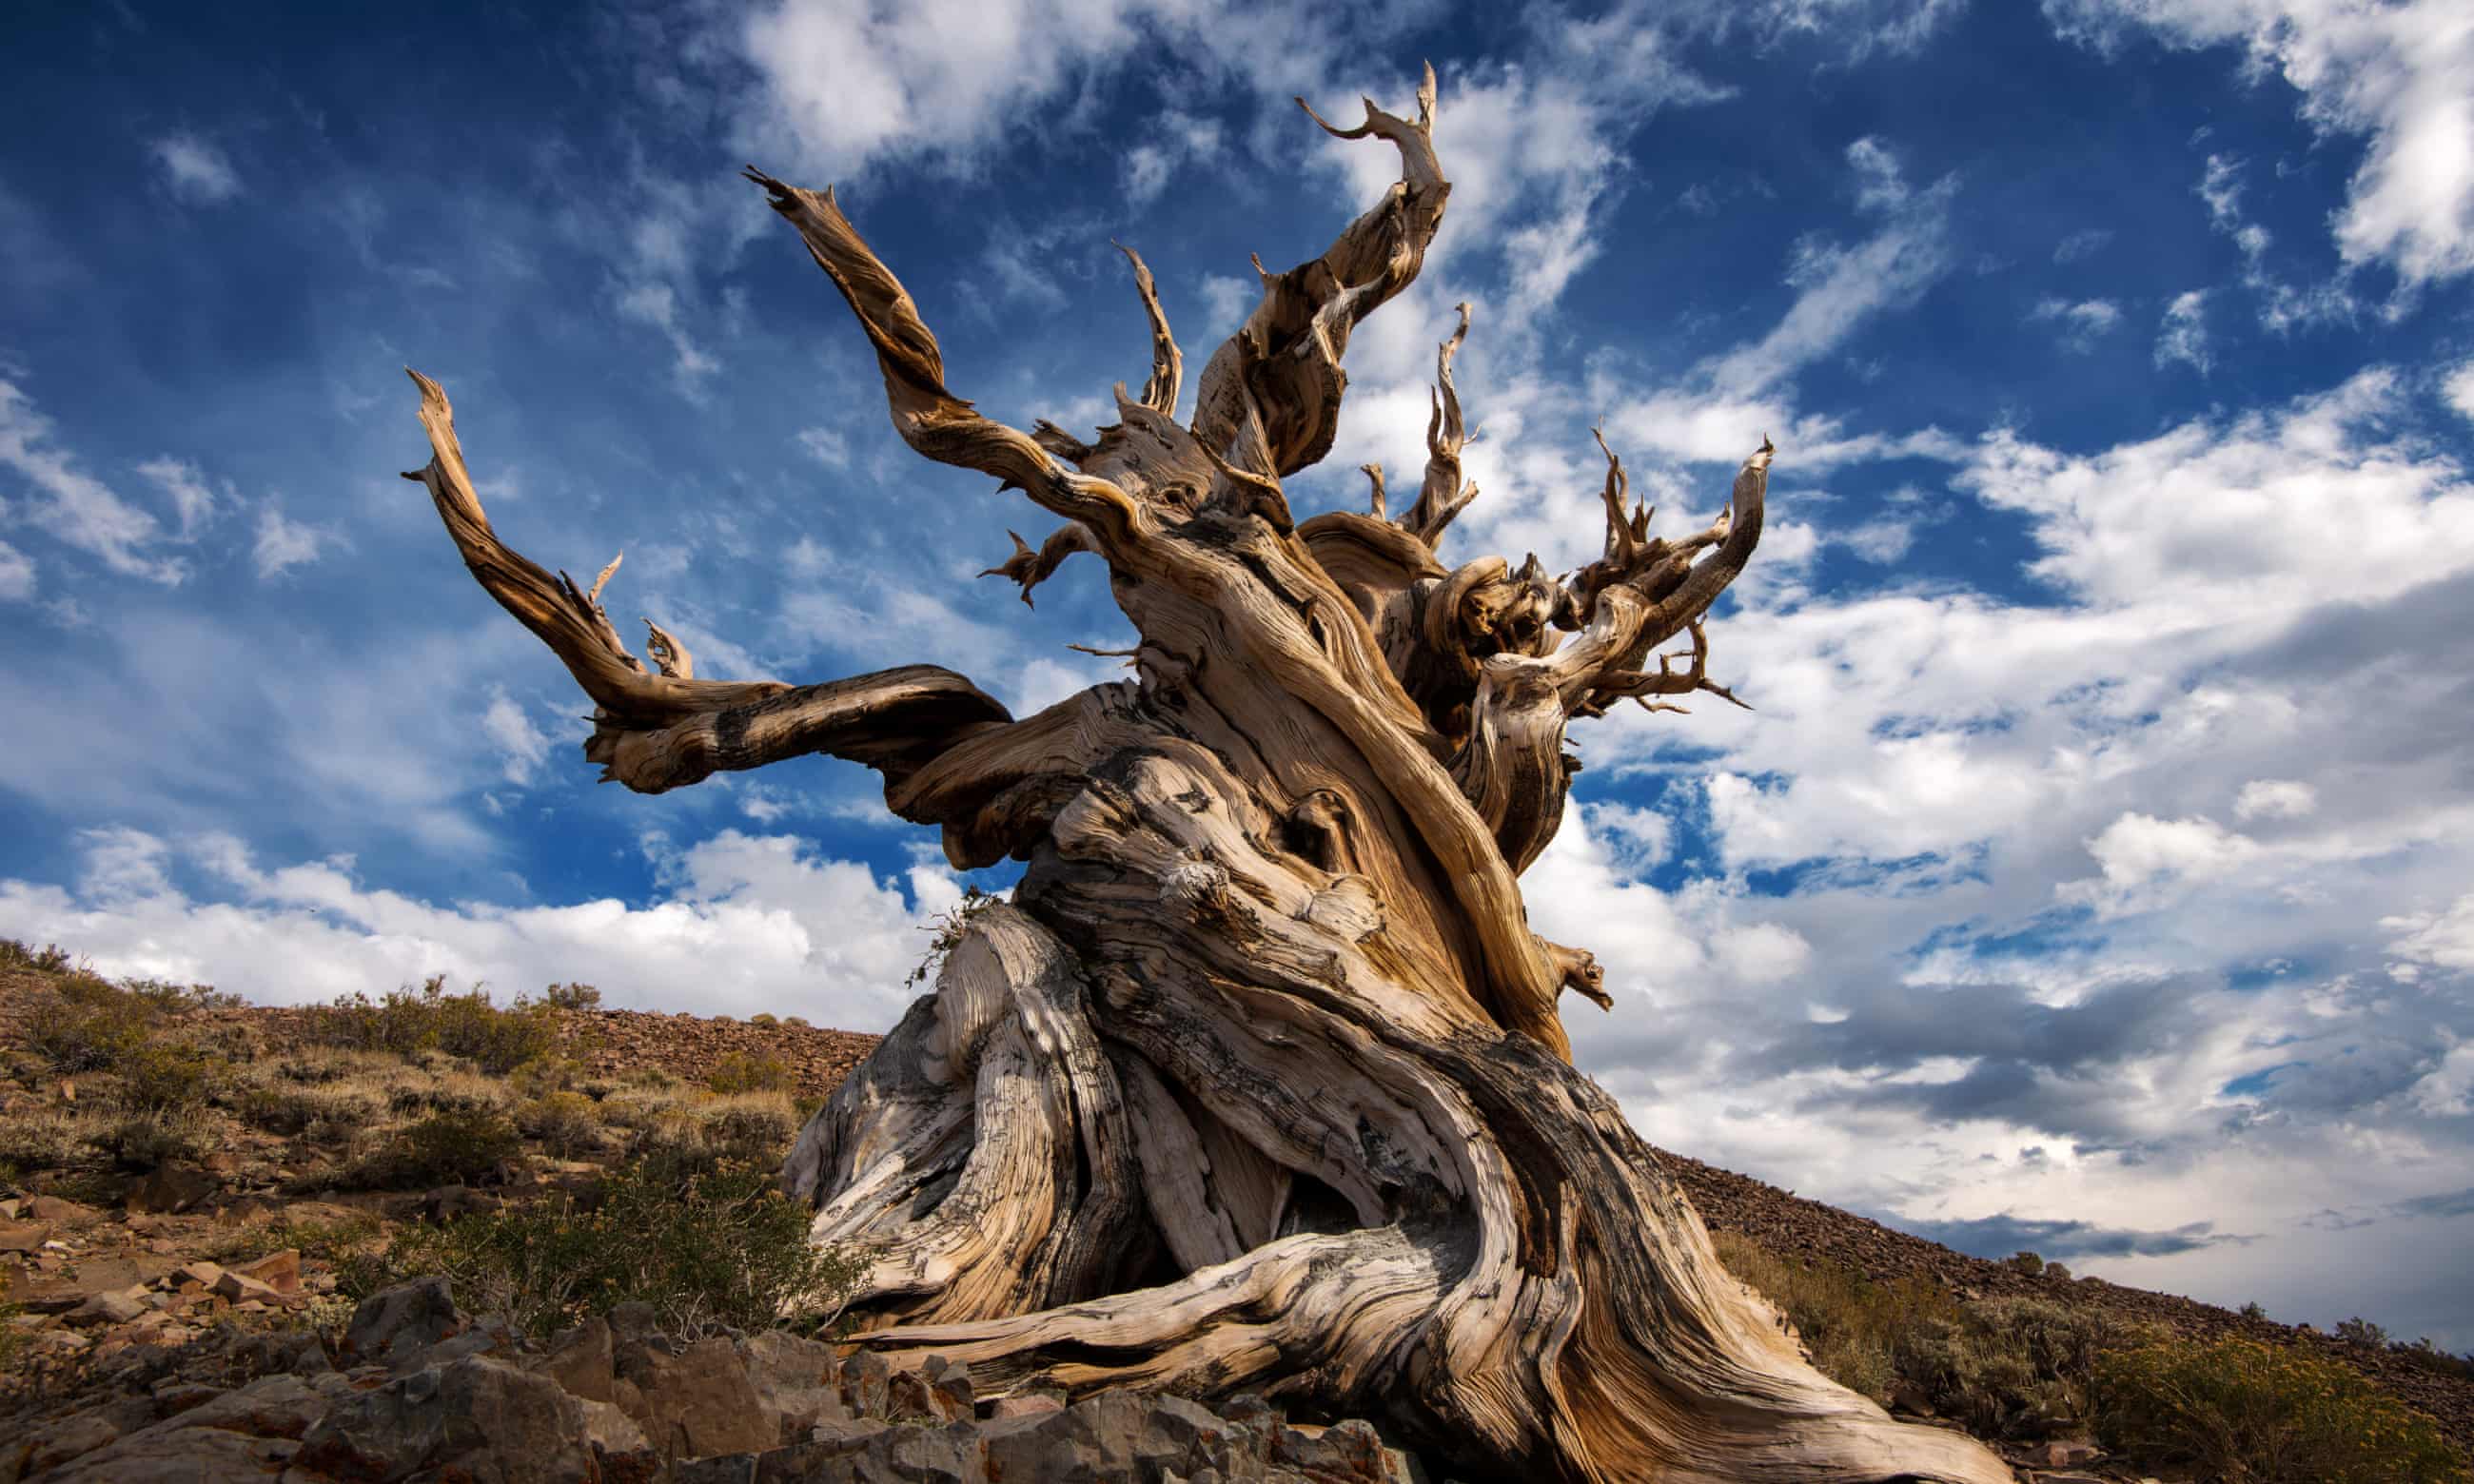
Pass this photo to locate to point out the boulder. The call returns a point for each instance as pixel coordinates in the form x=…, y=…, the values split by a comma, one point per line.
x=280, y=1271
x=477, y=1418
x=24, y=1236
x=793, y=1381
x=395, y=1326
x=579, y=1360
x=168, y=1189
x=241, y=1289
x=1114, y=1435
x=106, y=1308
x=866, y=1376
x=183, y=1455
x=699, y=1403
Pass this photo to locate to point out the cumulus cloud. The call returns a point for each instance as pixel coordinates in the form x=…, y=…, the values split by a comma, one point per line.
x=743, y=923
x=194, y=168
x=2400, y=74
x=2275, y=799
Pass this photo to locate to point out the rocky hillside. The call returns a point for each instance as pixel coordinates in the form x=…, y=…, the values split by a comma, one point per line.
x=223, y=1228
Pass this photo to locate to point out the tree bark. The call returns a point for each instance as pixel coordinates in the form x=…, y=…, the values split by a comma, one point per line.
x=1258, y=1082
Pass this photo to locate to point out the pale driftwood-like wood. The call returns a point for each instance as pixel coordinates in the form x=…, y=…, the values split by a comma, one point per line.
x=1259, y=1082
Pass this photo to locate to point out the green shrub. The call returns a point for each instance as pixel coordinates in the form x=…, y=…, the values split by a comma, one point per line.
x=408, y=1022
x=706, y=1248
x=51, y=958
x=2359, y=1330
x=2004, y=1367
x=2249, y=1413
x=564, y=1122
x=2027, y=1263
x=44, y=1140
x=451, y=1148
x=161, y=1075
x=335, y=1241
x=157, y=1137
x=571, y=996
x=325, y=1111
x=744, y=1072
x=87, y=1026
x=945, y=934
x=750, y=1134
x=763, y=1019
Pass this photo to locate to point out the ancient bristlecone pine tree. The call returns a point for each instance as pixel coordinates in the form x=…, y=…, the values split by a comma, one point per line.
x=1258, y=1081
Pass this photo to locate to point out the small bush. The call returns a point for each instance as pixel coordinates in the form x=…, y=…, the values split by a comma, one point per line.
x=51, y=958
x=2249, y=1413
x=451, y=1148
x=46, y=1141
x=571, y=997
x=325, y=1111
x=2004, y=1367
x=2254, y=1311
x=334, y=1241
x=408, y=1022
x=564, y=1122
x=742, y=1072
x=161, y=1075
x=153, y=1138
x=764, y=1017
x=2027, y=1263
x=750, y=1134
x=707, y=1249
x=2058, y=1273
x=2359, y=1330
x=86, y=1026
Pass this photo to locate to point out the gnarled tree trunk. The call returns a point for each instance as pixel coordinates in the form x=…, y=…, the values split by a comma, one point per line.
x=1259, y=1081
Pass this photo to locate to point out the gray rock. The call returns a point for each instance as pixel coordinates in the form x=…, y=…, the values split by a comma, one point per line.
x=105, y=1308
x=866, y=1376
x=696, y=1403
x=1115, y=1435
x=579, y=1360
x=182, y=1455
x=476, y=1419
x=271, y=1407
x=71, y=1437
x=795, y=1382
x=394, y=1326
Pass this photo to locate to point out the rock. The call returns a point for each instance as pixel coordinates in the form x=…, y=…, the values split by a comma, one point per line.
x=24, y=1236
x=240, y=1290
x=394, y=1325
x=280, y=1271
x=1114, y=1435
x=2071, y=1453
x=184, y=1455
x=51, y=1208
x=1030, y=1404
x=205, y=1275
x=905, y=1397
x=271, y=1407
x=579, y=1361
x=478, y=1420
x=865, y=1376
x=793, y=1381
x=619, y=1445
x=1352, y=1449
x=106, y=1308
x=699, y=1403
x=71, y=1437
x=172, y=1189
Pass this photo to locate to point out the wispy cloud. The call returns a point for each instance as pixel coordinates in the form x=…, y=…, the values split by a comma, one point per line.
x=195, y=170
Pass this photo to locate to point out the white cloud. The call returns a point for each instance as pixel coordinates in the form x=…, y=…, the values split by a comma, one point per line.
x=17, y=575
x=2400, y=73
x=283, y=543
x=656, y=303
x=2183, y=336
x=191, y=500
x=2275, y=799
x=2082, y=324
x=1881, y=541
x=743, y=923
x=2444, y=939
x=826, y=446
x=194, y=168
x=74, y=506
x=2139, y=851
x=510, y=727
x=2459, y=389
x=2082, y=244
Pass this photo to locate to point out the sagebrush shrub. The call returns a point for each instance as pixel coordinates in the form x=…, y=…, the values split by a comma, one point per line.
x=743, y=1071
x=707, y=1245
x=2249, y=1413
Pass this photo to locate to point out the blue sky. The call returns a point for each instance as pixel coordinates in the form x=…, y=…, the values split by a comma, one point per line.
x=2094, y=875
